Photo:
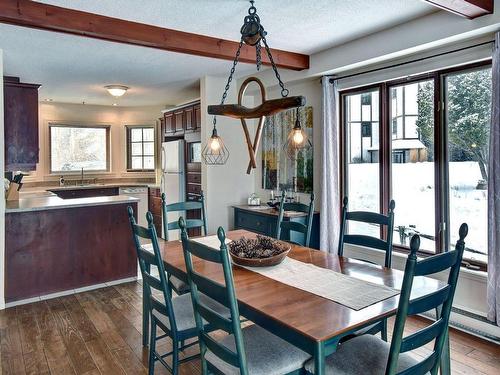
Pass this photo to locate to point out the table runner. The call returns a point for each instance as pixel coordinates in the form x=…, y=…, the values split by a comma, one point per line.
x=343, y=289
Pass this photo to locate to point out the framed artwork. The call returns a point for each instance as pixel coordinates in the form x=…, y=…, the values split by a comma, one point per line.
x=278, y=169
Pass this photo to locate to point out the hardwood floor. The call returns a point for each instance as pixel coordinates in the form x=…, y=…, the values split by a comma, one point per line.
x=99, y=332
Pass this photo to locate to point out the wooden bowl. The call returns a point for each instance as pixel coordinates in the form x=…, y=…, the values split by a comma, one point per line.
x=260, y=262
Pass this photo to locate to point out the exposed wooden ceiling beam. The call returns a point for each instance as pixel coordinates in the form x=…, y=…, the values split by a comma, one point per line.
x=48, y=17
x=466, y=8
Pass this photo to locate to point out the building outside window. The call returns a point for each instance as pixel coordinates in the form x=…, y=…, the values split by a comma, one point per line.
x=433, y=163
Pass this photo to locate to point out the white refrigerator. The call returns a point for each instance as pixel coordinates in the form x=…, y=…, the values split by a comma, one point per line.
x=173, y=178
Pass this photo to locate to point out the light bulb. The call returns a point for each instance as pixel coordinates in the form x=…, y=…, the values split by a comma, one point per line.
x=215, y=144
x=298, y=137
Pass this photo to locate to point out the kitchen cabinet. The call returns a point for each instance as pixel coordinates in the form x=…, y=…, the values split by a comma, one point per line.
x=53, y=250
x=197, y=117
x=179, y=121
x=264, y=221
x=154, y=206
x=169, y=123
x=21, y=125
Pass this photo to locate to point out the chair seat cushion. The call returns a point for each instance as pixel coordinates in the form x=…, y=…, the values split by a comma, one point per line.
x=362, y=355
x=183, y=311
x=179, y=286
x=266, y=354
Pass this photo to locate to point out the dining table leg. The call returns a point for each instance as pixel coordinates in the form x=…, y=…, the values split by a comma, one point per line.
x=145, y=311
x=319, y=358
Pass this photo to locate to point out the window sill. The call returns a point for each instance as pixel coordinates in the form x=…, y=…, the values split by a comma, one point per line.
x=399, y=261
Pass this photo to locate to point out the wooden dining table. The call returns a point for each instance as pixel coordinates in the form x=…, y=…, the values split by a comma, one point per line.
x=308, y=321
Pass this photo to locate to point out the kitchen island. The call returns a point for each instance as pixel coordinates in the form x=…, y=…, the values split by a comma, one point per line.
x=58, y=245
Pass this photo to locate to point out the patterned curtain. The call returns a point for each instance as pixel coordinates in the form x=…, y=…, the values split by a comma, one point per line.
x=330, y=200
x=494, y=193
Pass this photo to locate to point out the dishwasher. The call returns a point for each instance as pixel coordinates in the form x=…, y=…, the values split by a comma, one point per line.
x=142, y=206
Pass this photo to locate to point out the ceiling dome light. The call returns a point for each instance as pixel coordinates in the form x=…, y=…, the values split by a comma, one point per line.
x=116, y=90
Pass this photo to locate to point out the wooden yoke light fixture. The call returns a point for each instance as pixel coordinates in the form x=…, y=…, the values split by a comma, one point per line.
x=253, y=34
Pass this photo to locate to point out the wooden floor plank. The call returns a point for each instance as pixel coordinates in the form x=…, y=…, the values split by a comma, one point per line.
x=53, y=346
x=10, y=343
x=97, y=332
x=80, y=356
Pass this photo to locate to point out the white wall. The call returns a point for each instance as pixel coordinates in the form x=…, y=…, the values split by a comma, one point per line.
x=228, y=184
x=116, y=117
x=2, y=201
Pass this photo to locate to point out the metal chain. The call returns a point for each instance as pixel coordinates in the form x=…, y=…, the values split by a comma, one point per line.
x=258, y=56
x=284, y=91
x=230, y=78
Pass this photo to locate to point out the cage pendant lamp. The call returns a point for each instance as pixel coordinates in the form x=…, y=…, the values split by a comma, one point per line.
x=215, y=151
x=253, y=34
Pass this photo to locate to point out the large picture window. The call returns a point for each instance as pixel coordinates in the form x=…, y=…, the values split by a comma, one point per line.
x=427, y=148
x=73, y=148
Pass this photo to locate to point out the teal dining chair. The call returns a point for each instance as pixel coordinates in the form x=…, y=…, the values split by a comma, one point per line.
x=172, y=315
x=367, y=354
x=179, y=286
x=288, y=227
x=372, y=242
x=247, y=351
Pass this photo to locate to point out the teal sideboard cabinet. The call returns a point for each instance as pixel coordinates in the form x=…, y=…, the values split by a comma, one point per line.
x=263, y=220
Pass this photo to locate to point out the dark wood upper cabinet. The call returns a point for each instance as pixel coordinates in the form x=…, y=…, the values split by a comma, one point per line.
x=197, y=116
x=189, y=119
x=179, y=121
x=21, y=124
x=169, y=123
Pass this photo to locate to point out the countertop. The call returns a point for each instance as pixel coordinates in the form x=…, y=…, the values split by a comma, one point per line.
x=266, y=210
x=42, y=189
x=41, y=203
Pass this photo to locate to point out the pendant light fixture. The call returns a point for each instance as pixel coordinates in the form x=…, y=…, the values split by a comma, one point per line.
x=215, y=152
x=252, y=34
x=297, y=139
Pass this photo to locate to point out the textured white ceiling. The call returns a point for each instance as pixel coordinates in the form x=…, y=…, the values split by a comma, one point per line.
x=306, y=26
x=75, y=69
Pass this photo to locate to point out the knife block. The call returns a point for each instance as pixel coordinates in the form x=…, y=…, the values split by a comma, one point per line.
x=13, y=192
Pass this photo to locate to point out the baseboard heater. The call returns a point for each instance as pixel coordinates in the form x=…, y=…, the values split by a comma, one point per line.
x=467, y=328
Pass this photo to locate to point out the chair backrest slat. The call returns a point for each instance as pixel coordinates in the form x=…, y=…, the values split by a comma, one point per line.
x=294, y=226
x=222, y=293
x=429, y=301
x=435, y=264
x=422, y=337
x=183, y=207
x=190, y=223
x=287, y=227
x=210, y=288
x=146, y=260
x=294, y=206
x=365, y=240
x=442, y=298
x=368, y=217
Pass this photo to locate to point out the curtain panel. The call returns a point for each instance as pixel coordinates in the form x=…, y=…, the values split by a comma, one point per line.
x=494, y=192
x=330, y=200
